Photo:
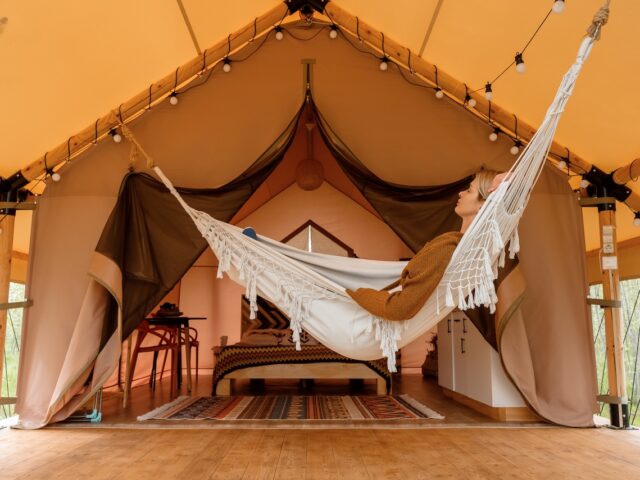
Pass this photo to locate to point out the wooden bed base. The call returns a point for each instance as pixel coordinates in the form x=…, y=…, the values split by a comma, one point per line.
x=325, y=370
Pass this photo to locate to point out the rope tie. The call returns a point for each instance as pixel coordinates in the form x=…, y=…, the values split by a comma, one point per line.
x=136, y=151
x=600, y=19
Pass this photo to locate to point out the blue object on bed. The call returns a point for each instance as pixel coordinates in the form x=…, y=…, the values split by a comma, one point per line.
x=250, y=232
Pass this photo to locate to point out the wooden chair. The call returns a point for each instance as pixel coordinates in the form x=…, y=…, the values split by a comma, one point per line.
x=167, y=342
x=193, y=343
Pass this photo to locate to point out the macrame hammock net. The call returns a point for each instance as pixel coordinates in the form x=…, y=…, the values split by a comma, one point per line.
x=310, y=287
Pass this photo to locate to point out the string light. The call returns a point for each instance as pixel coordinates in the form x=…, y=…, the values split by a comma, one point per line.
x=636, y=219
x=493, y=136
x=520, y=66
x=55, y=176
x=469, y=100
x=562, y=165
x=584, y=183
x=488, y=92
x=516, y=147
x=558, y=6
x=115, y=135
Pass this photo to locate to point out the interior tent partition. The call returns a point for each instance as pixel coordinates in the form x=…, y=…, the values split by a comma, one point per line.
x=401, y=138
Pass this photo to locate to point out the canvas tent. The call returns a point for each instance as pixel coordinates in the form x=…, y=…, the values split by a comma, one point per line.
x=219, y=129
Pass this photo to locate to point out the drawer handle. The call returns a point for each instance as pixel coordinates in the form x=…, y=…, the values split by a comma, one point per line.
x=462, y=349
x=464, y=325
x=448, y=325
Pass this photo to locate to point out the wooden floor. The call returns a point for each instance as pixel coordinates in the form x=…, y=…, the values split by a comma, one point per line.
x=475, y=451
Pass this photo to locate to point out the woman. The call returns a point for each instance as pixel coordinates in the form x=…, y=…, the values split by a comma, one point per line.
x=423, y=272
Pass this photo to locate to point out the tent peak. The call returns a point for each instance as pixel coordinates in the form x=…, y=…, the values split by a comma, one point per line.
x=305, y=6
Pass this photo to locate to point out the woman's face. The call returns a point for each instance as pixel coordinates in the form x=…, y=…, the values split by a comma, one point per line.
x=468, y=201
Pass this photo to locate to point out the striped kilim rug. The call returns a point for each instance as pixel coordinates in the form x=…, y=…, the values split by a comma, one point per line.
x=294, y=407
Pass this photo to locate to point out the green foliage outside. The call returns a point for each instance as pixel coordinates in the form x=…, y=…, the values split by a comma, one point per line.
x=12, y=349
x=630, y=294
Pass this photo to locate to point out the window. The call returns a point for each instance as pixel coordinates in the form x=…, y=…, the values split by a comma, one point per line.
x=313, y=238
x=630, y=296
x=12, y=349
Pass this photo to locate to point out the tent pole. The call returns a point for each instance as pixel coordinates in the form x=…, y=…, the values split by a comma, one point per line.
x=7, y=223
x=627, y=173
x=617, y=397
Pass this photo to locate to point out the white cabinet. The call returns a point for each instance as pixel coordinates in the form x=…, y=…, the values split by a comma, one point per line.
x=468, y=365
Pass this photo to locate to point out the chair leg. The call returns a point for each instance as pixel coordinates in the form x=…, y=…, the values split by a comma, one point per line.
x=197, y=356
x=174, y=372
x=152, y=377
x=164, y=363
x=134, y=360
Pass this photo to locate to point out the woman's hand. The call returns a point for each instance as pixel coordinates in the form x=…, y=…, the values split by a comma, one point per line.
x=497, y=180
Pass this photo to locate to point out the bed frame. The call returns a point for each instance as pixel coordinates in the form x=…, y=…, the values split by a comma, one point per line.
x=330, y=370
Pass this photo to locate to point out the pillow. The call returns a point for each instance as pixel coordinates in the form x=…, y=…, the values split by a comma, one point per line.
x=275, y=336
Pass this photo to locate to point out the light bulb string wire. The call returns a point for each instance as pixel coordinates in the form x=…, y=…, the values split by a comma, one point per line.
x=521, y=52
x=422, y=84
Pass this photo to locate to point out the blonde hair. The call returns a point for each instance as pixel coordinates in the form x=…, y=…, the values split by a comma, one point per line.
x=484, y=180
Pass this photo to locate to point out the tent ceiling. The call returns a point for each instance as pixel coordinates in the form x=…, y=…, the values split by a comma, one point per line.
x=66, y=63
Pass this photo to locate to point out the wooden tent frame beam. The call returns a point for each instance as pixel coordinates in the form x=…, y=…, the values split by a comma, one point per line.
x=156, y=92
x=451, y=86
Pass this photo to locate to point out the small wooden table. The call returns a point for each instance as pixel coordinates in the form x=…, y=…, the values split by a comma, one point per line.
x=182, y=324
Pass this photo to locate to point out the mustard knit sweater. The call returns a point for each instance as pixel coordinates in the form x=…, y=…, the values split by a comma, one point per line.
x=418, y=281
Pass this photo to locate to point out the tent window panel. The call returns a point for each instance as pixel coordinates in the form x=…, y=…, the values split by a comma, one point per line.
x=12, y=348
x=313, y=238
x=630, y=296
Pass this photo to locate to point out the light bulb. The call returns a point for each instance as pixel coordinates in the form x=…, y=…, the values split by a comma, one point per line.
x=439, y=93
x=333, y=34
x=226, y=67
x=488, y=91
x=514, y=150
x=173, y=98
x=584, y=183
x=115, y=135
x=520, y=66
x=636, y=221
x=472, y=102
x=279, y=34
x=562, y=165
x=558, y=6
x=384, y=64
x=55, y=176
x=493, y=136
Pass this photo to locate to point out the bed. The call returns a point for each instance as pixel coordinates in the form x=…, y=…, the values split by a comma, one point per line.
x=266, y=351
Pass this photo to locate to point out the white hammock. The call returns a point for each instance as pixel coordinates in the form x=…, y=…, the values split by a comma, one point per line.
x=310, y=287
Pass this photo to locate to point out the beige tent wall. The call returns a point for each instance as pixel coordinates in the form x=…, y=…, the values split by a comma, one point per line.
x=403, y=133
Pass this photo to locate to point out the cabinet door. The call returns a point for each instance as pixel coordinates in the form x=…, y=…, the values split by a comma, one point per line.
x=472, y=356
x=446, y=366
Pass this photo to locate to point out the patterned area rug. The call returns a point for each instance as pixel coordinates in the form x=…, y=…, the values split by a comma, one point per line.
x=294, y=407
